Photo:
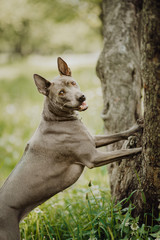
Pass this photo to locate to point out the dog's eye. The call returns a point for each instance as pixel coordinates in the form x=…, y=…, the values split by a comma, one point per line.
x=61, y=92
x=73, y=83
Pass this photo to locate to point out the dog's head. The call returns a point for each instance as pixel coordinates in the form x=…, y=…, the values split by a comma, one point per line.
x=63, y=92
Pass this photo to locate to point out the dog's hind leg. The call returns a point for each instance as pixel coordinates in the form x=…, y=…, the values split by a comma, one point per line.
x=9, y=226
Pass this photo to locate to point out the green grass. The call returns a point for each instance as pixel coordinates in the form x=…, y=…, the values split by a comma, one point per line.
x=82, y=211
x=85, y=213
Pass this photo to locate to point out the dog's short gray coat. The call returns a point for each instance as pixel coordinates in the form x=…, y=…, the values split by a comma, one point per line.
x=57, y=153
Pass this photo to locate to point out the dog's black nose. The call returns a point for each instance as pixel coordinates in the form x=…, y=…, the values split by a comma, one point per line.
x=82, y=98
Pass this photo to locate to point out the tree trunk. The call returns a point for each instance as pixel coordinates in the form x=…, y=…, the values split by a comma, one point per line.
x=119, y=69
x=150, y=56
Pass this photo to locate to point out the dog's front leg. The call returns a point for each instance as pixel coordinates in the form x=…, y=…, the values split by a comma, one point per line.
x=102, y=140
x=102, y=158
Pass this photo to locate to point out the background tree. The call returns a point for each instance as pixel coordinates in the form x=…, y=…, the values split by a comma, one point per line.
x=119, y=70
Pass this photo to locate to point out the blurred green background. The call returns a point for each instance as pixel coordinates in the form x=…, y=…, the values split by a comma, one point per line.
x=32, y=35
x=49, y=27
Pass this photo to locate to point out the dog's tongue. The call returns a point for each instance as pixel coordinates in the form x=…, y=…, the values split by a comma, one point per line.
x=83, y=106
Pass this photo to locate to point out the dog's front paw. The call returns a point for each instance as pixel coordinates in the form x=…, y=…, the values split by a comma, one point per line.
x=132, y=142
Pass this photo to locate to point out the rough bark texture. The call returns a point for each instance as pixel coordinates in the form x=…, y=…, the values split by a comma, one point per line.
x=151, y=80
x=119, y=69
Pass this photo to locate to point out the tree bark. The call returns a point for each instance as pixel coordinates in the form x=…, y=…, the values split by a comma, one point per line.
x=150, y=64
x=126, y=24
x=119, y=69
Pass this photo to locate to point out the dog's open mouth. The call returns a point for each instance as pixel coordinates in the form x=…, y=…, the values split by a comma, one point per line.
x=83, y=106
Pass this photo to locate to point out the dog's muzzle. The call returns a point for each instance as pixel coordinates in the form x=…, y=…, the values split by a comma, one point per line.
x=82, y=99
x=83, y=105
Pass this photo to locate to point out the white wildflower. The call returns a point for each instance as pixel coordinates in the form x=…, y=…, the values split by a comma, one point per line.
x=134, y=226
x=38, y=210
x=126, y=223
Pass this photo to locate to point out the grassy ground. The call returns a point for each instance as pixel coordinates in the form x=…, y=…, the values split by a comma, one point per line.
x=84, y=213
x=85, y=210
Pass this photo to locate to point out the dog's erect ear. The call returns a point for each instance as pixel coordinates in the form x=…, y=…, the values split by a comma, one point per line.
x=42, y=84
x=63, y=67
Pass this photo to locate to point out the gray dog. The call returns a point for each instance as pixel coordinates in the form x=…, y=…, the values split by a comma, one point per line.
x=56, y=155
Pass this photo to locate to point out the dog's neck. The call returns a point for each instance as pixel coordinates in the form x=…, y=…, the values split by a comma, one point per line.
x=54, y=113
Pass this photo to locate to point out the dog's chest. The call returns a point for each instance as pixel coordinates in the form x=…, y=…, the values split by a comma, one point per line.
x=68, y=139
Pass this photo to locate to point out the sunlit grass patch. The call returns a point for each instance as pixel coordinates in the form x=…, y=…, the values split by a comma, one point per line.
x=85, y=213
